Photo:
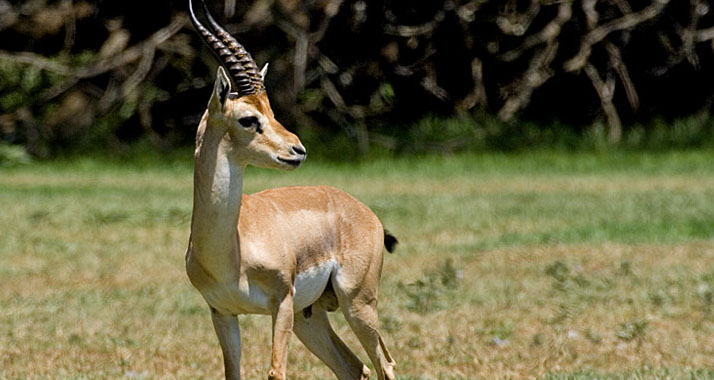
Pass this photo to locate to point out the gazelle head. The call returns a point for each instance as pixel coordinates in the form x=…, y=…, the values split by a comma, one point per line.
x=239, y=104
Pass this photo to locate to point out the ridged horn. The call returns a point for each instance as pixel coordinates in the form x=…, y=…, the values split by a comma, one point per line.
x=249, y=67
x=231, y=54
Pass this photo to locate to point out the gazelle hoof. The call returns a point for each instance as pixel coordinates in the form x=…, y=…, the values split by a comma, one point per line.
x=365, y=373
x=389, y=373
x=273, y=375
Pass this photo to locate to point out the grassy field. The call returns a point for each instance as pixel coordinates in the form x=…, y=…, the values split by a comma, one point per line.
x=533, y=265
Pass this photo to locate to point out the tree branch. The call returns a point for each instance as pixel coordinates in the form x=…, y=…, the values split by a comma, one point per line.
x=606, y=91
x=538, y=73
x=103, y=65
x=549, y=32
x=598, y=34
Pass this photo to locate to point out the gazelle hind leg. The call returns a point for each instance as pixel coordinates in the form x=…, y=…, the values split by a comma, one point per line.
x=319, y=337
x=386, y=352
x=361, y=314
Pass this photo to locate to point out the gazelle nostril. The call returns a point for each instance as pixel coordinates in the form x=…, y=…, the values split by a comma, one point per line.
x=299, y=150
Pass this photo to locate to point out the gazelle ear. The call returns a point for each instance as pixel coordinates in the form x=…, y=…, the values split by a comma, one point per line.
x=264, y=70
x=221, y=88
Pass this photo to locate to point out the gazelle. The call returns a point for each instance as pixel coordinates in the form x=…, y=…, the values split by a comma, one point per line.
x=294, y=252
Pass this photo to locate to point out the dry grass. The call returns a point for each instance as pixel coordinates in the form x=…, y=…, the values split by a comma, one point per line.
x=510, y=267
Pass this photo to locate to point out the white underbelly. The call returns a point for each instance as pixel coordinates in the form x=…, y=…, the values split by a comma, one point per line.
x=237, y=299
x=241, y=297
x=310, y=284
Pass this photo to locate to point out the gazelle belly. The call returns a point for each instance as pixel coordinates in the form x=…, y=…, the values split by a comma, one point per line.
x=230, y=295
x=237, y=298
x=310, y=283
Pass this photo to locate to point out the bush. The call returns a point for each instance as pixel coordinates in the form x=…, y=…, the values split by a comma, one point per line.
x=364, y=75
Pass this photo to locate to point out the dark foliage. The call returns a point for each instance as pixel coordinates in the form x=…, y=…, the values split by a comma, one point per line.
x=79, y=75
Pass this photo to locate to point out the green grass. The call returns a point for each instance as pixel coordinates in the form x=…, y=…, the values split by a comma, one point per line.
x=546, y=264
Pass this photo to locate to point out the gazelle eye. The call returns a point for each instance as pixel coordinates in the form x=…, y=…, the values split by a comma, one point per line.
x=248, y=122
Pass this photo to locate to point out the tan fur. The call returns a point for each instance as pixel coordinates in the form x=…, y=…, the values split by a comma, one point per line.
x=287, y=240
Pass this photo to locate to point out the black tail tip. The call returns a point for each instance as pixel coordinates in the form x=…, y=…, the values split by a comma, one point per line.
x=390, y=242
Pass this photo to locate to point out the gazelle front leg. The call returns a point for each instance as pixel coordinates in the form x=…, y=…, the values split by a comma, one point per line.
x=282, y=330
x=228, y=333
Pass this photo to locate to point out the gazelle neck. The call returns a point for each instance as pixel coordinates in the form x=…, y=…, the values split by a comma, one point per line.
x=218, y=187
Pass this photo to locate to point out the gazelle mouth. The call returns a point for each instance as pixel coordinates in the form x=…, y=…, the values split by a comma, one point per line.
x=294, y=162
